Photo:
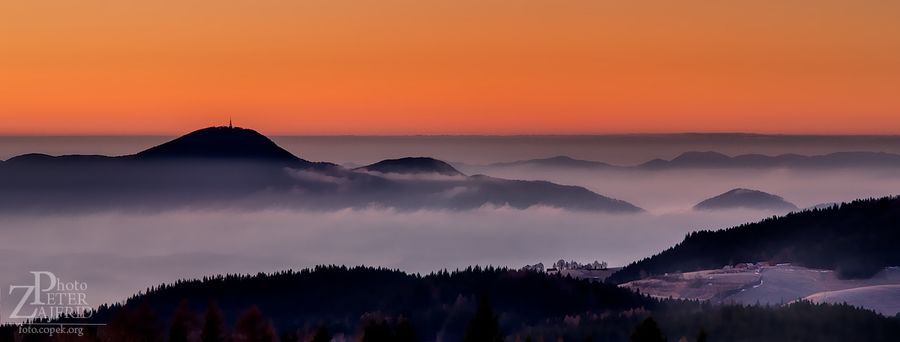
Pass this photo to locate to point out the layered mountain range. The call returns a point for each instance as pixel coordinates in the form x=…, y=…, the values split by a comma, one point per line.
x=716, y=160
x=240, y=168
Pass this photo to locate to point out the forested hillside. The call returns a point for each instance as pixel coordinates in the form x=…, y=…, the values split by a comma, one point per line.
x=477, y=304
x=855, y=239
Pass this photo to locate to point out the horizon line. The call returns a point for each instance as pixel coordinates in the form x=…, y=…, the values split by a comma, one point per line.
x=511, y=135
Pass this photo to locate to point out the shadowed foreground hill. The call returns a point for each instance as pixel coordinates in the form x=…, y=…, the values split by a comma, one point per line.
x=369, y=304
x=855, y=239
x=437, y=304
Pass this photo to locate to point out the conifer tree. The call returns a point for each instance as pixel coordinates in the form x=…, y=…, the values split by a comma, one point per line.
x=648, y=331
x=183, y=322
x=213, y=325
x=484, y=327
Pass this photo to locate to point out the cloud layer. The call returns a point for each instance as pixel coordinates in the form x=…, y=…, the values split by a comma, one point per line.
x=119, y=254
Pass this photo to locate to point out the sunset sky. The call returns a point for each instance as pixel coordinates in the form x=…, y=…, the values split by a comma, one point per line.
x=450, y=66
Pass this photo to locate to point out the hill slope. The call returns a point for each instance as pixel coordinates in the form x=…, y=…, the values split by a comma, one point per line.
x=555, y=162
x=746, y=199
x=856, y=239
x=240, y=168
x=340, y=297
x=412, y=165
x=220, y=143
x=444, y=306
x=715, y=160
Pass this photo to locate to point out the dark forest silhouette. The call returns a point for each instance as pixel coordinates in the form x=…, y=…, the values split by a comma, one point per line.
x=855, y=239
x=476, y=304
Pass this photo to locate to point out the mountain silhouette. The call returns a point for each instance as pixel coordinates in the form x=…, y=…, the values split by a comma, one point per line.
x=220, y=143
x=413, y=165
x=32, y=158
x=708, y=159
x=716, y=160
x=746, y=199
x=700, y=158
x=242, y=169
x=554, y=162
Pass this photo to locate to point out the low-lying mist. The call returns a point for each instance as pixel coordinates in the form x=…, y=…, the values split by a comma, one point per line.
x=119, y=254
x=679, y=190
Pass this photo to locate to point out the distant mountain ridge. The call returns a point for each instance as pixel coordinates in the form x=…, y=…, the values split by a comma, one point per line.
x=745, y=199
x=557, y=161
x=716, y=160
x=412, y=165
x=221, y=144
x=237, y=167
x=710, y=159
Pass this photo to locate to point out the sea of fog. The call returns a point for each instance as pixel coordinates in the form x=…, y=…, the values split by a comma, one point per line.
x=674, y=191
x=118, y=254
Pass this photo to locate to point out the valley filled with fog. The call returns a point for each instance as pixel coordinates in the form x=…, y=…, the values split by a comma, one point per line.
x=674, y=191
x=121, y=252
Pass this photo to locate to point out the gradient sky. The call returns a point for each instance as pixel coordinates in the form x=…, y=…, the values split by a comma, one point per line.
x=450, y=66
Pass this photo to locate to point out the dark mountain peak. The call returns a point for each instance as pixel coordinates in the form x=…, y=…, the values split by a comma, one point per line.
x=655, y=163
x=746, y=192
x=40, y=158
x=222, y=142
x=690, y=159
x=413, y=165
x=568, y=161
x=700, y=156
x=559, y=159
x=30, y=157
x=747, y=199
x=555, y=161
x=831, y=160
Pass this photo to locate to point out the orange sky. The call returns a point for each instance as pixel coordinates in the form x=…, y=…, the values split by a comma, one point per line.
x=450, y=66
